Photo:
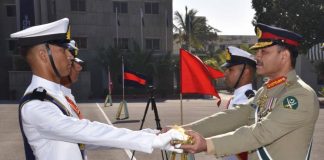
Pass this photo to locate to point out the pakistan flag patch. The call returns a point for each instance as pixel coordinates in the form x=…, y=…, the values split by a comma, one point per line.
x=290, y=102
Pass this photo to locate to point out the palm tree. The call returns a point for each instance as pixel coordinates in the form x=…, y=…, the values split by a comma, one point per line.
x=192, y=32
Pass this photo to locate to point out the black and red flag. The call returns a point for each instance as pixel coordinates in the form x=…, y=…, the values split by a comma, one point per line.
x=134, y=79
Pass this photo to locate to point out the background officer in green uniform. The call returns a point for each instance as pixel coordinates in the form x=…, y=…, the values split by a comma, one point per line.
x=279, y=122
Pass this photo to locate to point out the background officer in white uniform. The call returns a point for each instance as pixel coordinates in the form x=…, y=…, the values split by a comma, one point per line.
x=76, y=68
x=50, y=129
x=239, y=70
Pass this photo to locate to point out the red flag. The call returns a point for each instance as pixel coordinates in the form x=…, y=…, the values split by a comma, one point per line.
x=194, y=75
x=214, y=73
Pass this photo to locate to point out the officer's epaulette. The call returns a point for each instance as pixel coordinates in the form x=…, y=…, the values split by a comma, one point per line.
x=41, y=94
x=276, y=82
x=249, y=94
x=289, y=83
x=38, y=93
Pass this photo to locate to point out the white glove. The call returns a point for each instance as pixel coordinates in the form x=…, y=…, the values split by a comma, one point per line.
x=171, y=148
x=149, y=130
x=162, y=141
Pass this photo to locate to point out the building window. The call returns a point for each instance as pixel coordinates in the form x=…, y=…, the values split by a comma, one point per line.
x=122, y=43
x=11, y=10
x=81, y=42
x=151, y=8
x=78, y=5
x=121, y=7
x=152, y=44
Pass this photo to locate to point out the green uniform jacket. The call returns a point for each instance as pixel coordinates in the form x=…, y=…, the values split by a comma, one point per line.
x=287, y=116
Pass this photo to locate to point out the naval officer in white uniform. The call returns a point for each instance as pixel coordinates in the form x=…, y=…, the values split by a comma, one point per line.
x=239, y=70
x=48, y=123
x=76, y=69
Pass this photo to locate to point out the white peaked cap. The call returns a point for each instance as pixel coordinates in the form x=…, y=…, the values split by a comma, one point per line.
x=54, y=31
x=240, y=52
x=78, y=60
x=235, y=56
x=72, y=44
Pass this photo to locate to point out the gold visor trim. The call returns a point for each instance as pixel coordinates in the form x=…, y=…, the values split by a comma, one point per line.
x=261, y=45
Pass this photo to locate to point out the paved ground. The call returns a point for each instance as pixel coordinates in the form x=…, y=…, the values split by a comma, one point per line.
x=169, y=111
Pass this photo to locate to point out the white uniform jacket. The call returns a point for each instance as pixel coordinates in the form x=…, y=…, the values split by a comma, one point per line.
x=68, y=92
x=239, y=96
x=54, y=136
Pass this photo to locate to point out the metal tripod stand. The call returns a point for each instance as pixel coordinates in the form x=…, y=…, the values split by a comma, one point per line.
x=151, y=101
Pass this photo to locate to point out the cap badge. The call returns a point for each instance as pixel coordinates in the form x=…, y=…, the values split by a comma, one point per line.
x=227, y=55
x=68, y=33
x=258, y=32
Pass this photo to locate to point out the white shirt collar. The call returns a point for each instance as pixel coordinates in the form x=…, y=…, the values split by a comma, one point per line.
x=66, y=91
x=242, y=89
x=48, y=85
x=239, y=96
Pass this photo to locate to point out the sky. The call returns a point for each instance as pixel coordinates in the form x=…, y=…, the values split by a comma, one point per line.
x=231, y=17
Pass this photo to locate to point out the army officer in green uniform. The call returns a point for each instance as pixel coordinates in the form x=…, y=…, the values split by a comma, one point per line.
x=278, y=123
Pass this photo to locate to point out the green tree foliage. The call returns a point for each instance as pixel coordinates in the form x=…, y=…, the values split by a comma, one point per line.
x=192, y=30
x=217, y=59
x=305, y=17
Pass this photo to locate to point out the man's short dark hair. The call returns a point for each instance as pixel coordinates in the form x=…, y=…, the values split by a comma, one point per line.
x=293, y=53
x=24, y=50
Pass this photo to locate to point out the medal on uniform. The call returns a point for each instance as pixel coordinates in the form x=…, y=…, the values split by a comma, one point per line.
x=188, y=140
x=261, y=105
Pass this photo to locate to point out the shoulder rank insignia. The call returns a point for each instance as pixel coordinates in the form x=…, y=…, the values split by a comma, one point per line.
x=290, y=102
x=275, y=82
x=39, y=93
x=249, y=94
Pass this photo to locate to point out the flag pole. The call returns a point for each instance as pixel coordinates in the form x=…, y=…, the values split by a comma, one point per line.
x=188, y=33
x=123, y=103
x=189, y=47
x=141, y=21
x=110, y=86
x=180, y=67
x=108, y=97
x=123, y=82
x=166, y=31
x=116, y=27
x=181, y=111
x=109, y=80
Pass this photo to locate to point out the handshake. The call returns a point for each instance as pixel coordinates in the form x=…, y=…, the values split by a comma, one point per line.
x=171, y=139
